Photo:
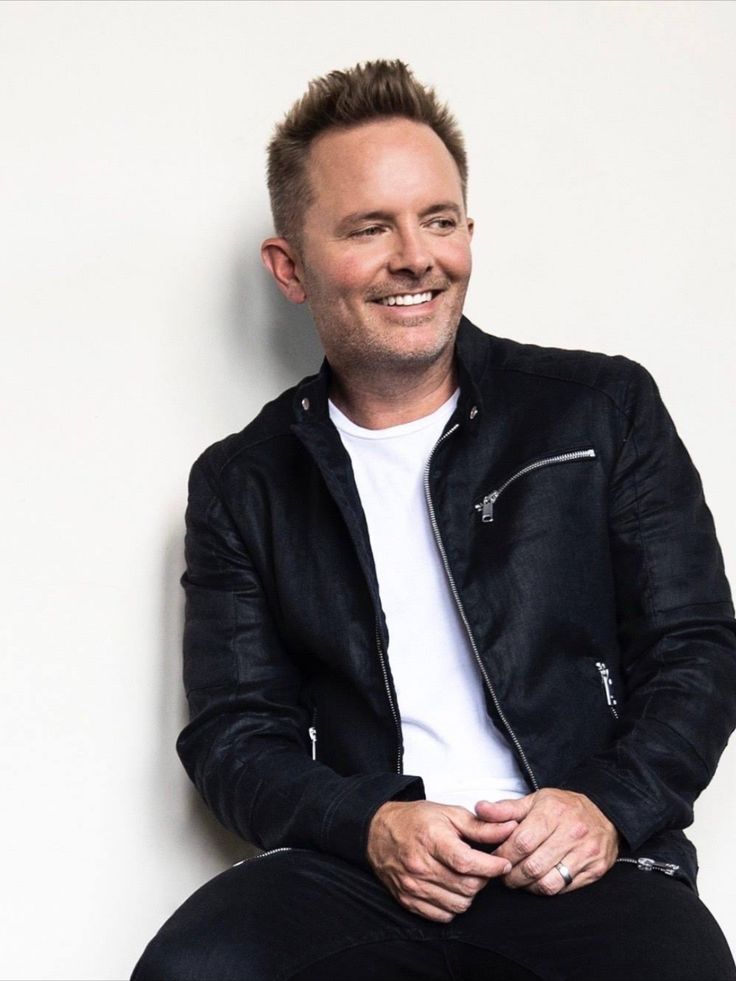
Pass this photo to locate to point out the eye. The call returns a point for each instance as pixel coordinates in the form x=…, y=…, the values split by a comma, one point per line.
x=442, y=224
x=368, y=232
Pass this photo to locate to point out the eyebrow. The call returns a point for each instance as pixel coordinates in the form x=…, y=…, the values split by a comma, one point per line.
x=356, y=217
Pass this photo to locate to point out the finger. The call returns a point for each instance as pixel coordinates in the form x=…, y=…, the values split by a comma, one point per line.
x=423, y=893
x=459, y=857
x=417, y=879
x=427, y=910
x=483, y=832
x=583, y=869
x=527, y=838
x=505, y=810
x=441, y=876
x=417, y=902
x=558, y=847
x=553, y=882
x=586, y=863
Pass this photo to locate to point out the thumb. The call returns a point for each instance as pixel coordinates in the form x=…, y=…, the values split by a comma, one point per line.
x=485, y=832
x=504, y=810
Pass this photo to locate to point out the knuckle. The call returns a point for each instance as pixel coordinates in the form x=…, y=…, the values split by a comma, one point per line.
x=407, y=884
x=433, y=913
x=427, y=912
x=460, y=862
x=413, y=865
x=579, y=830
x=523, y=843
x=532, y=868
x=547, y=888
x=471, y=885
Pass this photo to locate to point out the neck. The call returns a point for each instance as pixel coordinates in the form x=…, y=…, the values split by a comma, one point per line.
x=378, y=402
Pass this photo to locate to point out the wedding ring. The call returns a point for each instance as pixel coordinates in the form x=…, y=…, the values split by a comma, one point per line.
x=564, y=872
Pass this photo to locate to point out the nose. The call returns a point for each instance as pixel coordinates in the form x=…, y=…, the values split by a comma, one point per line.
x=411, y=255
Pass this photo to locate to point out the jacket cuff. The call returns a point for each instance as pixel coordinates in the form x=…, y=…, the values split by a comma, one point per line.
x=635, y=816
x=347, y=820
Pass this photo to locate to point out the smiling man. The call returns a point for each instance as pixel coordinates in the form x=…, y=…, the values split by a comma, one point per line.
x=460, y=651
x=385, y=285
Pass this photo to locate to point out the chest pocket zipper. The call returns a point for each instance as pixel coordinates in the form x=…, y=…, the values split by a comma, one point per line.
x=313, y=734
x=485, y=507
x=607, y=687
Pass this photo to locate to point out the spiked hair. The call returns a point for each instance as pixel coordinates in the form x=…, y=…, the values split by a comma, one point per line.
x=341, y=99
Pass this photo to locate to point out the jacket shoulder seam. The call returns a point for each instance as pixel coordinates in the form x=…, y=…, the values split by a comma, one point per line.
x=568, y=381
x=221, y=467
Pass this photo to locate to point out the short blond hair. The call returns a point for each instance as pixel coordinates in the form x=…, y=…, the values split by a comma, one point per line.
x=341, y=99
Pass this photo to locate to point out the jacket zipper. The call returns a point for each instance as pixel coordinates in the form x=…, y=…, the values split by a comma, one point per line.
x=272, y=851
x=387, y=686
x=649, y=865
x=313, y=737
x=486, y=505
x=607, y=687
x=461, y=610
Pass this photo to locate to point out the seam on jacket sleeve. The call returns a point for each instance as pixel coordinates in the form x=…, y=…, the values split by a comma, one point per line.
x=649, y=595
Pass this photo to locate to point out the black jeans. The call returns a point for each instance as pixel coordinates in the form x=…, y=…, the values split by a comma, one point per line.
x=304, y=916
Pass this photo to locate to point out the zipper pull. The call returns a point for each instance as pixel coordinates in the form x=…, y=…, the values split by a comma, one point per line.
x=313, y=737
x=486, y=507
x=647, y=864
x=607, y=683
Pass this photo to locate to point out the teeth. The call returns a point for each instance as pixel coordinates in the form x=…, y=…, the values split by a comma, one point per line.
x=406, y=299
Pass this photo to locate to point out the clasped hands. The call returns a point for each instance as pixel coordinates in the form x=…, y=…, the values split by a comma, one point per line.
x=422, y=851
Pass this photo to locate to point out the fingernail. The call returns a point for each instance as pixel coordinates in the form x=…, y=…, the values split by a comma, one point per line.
x=507, y=868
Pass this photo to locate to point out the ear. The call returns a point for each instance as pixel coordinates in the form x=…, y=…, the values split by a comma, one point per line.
x=281, y=260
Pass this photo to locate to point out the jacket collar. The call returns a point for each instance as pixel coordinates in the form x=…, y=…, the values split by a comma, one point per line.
x=471, y=355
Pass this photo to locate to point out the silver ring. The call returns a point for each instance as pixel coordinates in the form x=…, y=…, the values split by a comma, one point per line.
x=564, y=872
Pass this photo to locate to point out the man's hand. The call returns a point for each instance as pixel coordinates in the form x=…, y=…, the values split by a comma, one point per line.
x=553, y=826
x=416, y=849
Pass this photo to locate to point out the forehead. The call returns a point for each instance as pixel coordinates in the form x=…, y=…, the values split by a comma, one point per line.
x=388, y=163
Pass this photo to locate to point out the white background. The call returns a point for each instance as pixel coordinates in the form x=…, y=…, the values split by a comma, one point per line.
x=138, y=327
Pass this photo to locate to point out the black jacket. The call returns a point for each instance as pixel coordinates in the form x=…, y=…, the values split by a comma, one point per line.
x=584, y=562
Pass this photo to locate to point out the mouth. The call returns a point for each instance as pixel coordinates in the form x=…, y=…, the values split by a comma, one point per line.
x=408, y=299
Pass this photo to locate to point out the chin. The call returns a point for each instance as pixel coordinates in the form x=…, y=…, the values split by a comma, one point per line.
x=410, y=356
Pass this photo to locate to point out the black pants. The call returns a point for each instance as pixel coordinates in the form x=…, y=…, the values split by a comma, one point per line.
x=303, y=916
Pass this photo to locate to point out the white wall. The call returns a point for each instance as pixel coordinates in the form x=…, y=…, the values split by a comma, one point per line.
x=138, y=327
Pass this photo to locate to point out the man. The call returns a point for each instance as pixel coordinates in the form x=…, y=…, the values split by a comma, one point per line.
x=460, y=650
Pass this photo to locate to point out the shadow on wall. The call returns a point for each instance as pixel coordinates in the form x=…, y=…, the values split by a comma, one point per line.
x=273, y=344
x=194, y=822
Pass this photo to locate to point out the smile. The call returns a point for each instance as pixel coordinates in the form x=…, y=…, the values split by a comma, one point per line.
x=406, y=299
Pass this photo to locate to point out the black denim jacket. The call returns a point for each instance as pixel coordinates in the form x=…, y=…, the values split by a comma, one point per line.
x=585, y=566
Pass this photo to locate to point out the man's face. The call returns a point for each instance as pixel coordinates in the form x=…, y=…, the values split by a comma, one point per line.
x=385, y=257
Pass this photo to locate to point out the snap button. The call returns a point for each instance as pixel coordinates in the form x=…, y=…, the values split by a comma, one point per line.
x=305, y=405
x=474, y=412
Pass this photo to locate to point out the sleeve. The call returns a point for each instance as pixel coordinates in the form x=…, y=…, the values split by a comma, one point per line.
x=676, y=631
x=247, y=746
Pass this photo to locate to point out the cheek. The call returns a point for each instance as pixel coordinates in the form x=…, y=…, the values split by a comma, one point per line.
x=357, y=273
x=456, y=259
x=351, y=271
x=331, y=275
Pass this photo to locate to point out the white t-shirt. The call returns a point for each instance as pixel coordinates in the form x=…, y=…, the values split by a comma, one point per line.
x=448, y=738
